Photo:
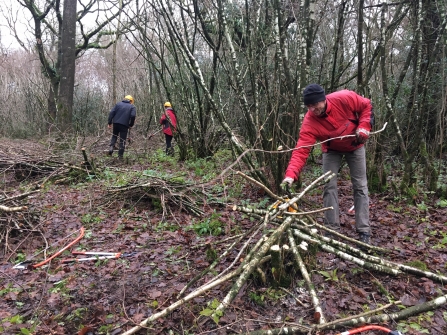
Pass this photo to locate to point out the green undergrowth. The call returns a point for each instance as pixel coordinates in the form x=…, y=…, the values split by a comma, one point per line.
x=160, y=165
x=211, y=225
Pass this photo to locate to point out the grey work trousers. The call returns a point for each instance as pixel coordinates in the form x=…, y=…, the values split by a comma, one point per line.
x=119, y=131
x=357, y=167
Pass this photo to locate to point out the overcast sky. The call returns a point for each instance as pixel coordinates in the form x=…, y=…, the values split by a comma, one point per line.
x=10, y=9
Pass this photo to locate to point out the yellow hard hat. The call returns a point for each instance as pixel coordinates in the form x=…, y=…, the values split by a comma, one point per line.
x=167, y=104
x=130, y=98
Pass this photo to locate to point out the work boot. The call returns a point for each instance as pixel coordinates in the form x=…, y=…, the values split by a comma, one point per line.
x=110, y=150
x=365, y=238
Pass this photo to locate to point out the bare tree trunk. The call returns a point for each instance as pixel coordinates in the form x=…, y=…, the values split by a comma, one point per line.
x=68, y=66
x=60, y=68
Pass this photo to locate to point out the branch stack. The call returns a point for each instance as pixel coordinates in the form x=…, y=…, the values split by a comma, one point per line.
x=177, y=195
x=283, y=222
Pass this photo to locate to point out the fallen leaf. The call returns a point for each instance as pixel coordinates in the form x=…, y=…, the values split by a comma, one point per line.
x=154, y=294
x=407, y=300
x=85, y=330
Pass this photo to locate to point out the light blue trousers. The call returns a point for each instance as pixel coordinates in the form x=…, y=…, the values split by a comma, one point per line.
x=357, y=167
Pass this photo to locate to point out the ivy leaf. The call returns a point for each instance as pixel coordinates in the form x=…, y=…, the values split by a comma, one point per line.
x=215, y=304
x=206, y=312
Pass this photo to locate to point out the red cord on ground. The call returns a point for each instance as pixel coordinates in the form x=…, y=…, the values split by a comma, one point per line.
x=365, y=328
x=62, y=250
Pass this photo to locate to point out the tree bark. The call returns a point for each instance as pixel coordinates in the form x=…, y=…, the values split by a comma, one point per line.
x=68, y=66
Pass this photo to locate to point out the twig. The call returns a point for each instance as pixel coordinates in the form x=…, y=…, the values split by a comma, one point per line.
x=218, y=242
x=293, y=296
x=239, y=253
x=208, y=269
x=239, y=158
x=12, y=209
x=265, y=188
x=180, y=302
x=310, y=212
x=19, y=196
x=305, y=273
x=328, y=175
x=21, y=242
x=362, y=315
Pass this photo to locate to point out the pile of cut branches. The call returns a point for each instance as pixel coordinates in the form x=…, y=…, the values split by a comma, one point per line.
x=28, y=164
x=180, y=196
x=15, y=216
x=280, y=228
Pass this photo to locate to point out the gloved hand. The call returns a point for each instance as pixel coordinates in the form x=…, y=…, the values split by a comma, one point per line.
x=361, y=135
x=286, y=184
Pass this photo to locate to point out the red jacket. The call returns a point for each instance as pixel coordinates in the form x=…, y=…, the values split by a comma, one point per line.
x=163, y=121
x=346, y=111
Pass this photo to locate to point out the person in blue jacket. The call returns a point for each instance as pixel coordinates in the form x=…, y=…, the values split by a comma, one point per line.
x=122, y=116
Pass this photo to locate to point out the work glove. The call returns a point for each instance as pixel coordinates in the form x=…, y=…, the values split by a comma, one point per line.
x=361, y=135
x=286, y=184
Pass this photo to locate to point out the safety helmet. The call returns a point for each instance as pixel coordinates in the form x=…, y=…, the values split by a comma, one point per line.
x=167, y=104
x=130, y=98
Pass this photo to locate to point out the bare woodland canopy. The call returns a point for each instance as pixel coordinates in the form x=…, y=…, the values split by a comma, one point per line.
x=232, y=69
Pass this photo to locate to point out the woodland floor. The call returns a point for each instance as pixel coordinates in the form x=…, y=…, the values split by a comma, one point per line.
x=108, y=297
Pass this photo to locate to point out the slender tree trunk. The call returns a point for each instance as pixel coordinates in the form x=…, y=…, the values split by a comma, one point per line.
x=53, y=92
x=360, y=88
x=114, y=96
x=409, y=178
x=335, y=76
x=289, y=111
x=425, y=119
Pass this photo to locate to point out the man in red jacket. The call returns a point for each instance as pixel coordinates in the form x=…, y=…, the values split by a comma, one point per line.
x=334, y=115
x=169, y=123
